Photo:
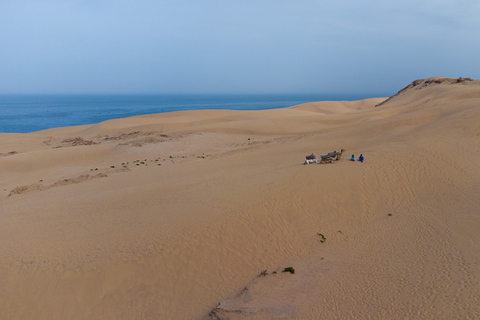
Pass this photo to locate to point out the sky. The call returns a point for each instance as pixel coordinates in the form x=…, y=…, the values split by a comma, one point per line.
x=224, y=46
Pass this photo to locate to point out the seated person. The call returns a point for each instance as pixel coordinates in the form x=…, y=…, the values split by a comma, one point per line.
x=360, y=158
x=352, y=158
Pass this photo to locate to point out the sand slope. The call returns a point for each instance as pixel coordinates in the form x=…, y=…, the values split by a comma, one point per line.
x=175, y=216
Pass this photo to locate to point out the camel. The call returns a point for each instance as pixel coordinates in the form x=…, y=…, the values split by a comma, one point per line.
x=338, y=156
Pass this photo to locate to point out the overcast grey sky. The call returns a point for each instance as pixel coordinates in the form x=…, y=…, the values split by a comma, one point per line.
x=223, y=46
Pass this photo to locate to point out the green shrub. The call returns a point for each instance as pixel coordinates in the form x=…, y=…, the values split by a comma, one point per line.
x=289, y=269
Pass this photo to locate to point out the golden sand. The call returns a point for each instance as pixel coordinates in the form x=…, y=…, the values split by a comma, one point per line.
x=176, y=215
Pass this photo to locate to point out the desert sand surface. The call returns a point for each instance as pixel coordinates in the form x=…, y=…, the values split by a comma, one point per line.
x=195, y=214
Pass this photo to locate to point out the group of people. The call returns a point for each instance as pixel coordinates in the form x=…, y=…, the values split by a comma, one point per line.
x=359, y=158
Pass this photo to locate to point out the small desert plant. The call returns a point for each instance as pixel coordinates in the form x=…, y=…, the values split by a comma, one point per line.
x=322, y=237
x=289, y=269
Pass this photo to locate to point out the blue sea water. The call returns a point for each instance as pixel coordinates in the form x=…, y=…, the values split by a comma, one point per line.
x=28, y=113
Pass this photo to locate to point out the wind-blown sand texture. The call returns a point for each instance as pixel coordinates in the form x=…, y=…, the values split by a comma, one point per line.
x=176, y=215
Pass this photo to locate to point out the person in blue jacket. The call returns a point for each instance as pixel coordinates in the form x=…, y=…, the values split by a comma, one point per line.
x=360, y=158
x=352, y=158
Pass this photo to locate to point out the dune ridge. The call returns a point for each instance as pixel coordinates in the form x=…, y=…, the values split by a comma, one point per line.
x=197, y=213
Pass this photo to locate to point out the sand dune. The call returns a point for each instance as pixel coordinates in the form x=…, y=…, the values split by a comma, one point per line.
x=176, y=216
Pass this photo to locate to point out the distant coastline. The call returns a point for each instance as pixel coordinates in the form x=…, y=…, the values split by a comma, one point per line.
x=33, y=112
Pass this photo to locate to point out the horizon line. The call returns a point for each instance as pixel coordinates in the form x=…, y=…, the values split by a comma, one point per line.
x=191, y=94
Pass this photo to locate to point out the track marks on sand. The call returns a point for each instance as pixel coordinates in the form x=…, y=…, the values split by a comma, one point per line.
x=64, y=182
x=11, y=153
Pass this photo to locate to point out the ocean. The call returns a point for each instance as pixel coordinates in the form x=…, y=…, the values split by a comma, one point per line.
x=28, y=113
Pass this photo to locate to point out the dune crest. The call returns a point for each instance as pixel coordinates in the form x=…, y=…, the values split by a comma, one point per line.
x=429, y=82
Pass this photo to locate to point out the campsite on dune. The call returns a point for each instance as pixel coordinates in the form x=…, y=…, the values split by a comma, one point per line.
x=213, y=214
